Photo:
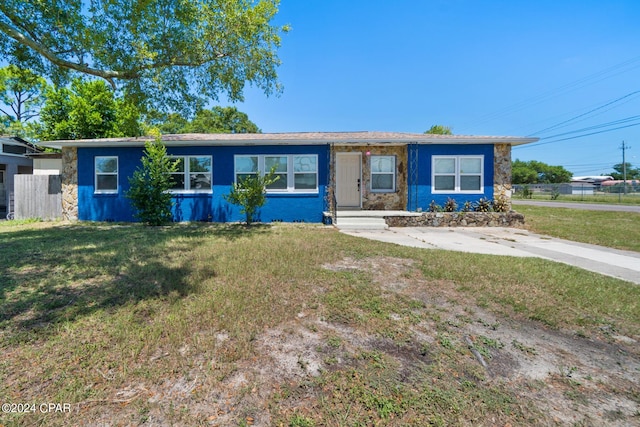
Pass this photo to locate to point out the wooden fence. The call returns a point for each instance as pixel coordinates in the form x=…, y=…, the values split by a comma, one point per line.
x=37, y=196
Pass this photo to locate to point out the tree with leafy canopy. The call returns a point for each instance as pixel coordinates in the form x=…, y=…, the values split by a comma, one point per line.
x=631, y=172
x=21, y=96
x=535, y=172
x=216, y=120
x=439, y=130
x=222, y=120
x=169, y=54
x=168, y=123
x=85, y=110
x=21, y=93
x=150, y=185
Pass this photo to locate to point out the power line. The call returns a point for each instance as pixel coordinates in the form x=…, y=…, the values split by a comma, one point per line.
x=598, y=126
x=550, y=94
x=574, y=137
x=564, y=123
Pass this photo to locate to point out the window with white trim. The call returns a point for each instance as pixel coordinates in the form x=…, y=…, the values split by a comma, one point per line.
x=383, y=174
x=106, y=174
x=457, y=174
x=305, y=172
x=280, y=165
x=193, y=174
x=297, y=173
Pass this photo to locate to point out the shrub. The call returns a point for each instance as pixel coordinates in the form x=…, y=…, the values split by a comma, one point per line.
x=501, y=204
x=450, y=205
x=483, y=205
x=526, y=192
x=468, y=206
x=434, y=207
x=249, y=193
x=150, y=185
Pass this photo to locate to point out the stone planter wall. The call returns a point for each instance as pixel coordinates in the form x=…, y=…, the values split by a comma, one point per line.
x=458, y=219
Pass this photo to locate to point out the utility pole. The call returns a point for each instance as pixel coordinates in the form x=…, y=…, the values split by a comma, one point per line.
x=624, y=147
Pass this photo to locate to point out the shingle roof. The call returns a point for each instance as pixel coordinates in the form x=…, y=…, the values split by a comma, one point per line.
x=302, y=138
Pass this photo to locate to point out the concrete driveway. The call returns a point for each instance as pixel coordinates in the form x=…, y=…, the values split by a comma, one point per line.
x=623, y=265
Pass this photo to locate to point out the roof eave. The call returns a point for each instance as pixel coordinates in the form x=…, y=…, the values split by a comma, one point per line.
x=290, y=139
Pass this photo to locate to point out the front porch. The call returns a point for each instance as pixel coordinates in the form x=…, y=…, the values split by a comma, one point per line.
x=354, y=219
x=382, y=220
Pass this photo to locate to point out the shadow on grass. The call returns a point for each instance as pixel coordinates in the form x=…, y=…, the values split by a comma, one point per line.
x=50, y=274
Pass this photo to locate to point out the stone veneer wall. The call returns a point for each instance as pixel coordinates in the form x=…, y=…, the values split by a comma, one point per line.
x=458, y=219
x=502, y=172
x=374, y=200
x=69, y=183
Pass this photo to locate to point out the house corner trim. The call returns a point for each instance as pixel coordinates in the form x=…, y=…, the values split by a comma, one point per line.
x=502, y=172
x=69, y=183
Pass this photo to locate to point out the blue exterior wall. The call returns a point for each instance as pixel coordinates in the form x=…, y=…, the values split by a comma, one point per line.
x=210, y=206
x=420, y=194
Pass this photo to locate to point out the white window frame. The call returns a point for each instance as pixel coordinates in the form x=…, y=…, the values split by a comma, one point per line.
x=265, y=169
x=290, y=173
x=96, y=174
x=457, y=174
x=392, y=173
x=187, y=175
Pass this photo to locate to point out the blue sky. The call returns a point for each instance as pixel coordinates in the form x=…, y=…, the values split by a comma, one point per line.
x=482, y=67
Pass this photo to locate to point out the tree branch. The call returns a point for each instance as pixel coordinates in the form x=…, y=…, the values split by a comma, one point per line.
x=5, y=113
x=108, y=75
x=15, y=22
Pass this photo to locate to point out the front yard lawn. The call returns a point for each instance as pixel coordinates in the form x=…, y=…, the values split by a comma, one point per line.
x=300, y=325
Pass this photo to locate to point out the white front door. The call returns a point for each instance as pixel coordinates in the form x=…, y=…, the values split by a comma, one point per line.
x=348, y=179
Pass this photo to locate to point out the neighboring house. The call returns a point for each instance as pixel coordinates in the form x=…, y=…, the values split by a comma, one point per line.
x=319, y=173
x=46, y=163
x=14, y=160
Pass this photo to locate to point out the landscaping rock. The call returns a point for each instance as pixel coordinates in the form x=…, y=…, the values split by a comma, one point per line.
x=458, y=219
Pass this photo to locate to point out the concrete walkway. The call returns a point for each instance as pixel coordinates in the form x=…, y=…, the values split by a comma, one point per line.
x=623, y=265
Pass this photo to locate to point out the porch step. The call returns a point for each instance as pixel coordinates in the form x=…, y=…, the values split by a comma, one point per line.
x=360, y=223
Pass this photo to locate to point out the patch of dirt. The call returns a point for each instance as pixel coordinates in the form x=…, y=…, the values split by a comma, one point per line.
x=575, y=380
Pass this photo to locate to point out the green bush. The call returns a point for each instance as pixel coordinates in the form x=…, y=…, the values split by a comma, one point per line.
x=483, y=205
x=249, y=193
x=434, y=207
x=450, y=205
x=500, y=204
x=150, y=185
x=526, y=192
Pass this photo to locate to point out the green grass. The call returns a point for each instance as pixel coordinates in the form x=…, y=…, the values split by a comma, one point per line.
x=111, y=317
x=608, y=198
x=613, y=229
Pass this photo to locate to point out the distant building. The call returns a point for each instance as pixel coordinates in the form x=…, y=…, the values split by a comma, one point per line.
x=591, y=179
x=577, y=188
x=14, y=160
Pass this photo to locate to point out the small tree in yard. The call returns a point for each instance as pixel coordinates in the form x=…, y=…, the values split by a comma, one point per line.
x=150, y=185
x=249, y=193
